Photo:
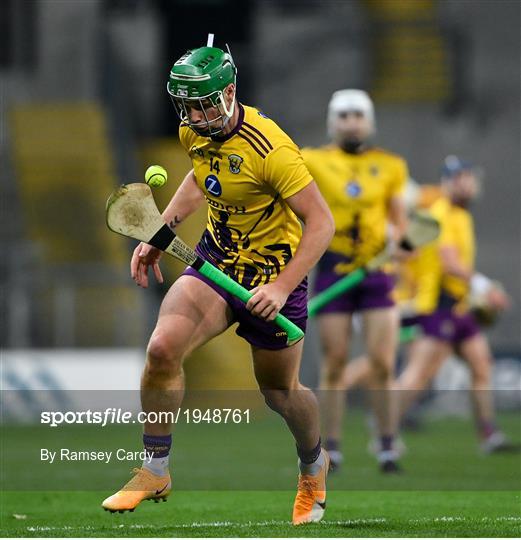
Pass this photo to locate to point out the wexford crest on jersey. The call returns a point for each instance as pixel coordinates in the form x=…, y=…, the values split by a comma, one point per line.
x=235, y=163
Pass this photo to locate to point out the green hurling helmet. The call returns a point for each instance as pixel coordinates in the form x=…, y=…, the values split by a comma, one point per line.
x=197, y=81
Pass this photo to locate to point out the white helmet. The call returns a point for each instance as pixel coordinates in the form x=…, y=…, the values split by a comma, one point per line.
x=350, y=100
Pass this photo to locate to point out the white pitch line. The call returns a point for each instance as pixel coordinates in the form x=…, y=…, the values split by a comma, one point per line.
x=248, y=524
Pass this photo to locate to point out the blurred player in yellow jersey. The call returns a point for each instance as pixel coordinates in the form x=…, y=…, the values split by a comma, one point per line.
x=254, y=181
x=363, y=186
x=440, y=284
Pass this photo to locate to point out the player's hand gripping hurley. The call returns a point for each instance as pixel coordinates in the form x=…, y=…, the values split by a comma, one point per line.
x=132, y=212
x=422, y=230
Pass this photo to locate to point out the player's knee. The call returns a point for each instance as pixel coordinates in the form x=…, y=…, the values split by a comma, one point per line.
x=381, y=369
x=335, y=353
x=334, y=363
x=164, y=355
x=333, y=371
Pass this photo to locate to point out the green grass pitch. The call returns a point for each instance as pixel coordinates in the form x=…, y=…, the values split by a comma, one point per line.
x=231, y=481
x=261, y=514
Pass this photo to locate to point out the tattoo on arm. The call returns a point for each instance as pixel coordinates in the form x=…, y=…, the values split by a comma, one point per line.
x=174, y=223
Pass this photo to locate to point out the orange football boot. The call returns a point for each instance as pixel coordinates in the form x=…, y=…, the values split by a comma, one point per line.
x=143, y=486
x=310, y=502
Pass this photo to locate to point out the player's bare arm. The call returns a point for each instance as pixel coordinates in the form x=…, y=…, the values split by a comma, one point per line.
x=452, y=265
x=397, y=216
x=185, y=202
x=309, y=205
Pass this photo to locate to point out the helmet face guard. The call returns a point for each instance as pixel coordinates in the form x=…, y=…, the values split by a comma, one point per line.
x=211, y=124
x=197, y=81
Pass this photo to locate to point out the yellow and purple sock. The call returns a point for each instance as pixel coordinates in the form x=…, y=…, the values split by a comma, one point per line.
x=332, y=445
x=310, y=461
x=157, y=450
x=486, y=428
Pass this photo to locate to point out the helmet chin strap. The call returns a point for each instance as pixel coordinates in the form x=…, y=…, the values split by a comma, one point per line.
x=228, y=112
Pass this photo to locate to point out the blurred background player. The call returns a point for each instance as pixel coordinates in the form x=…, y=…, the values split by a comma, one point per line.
x=445, y=292
x=363, y=186
x=440, y=312
x=255, y=183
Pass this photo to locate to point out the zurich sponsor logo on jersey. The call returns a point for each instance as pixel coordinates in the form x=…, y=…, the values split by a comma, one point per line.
x=260, y=113
x=353, y=188
x=213, y=185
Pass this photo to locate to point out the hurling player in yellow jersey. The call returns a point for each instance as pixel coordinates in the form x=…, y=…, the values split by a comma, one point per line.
x=254, y=181
x=363, y=186
x=446, y=283
x=439, y=310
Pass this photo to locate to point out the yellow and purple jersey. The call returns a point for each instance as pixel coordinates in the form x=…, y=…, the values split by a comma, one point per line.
x=419, y=279
x=457, y=232
x=246, y=177
x=357, y=189
x=428, y=195
x=422, y=283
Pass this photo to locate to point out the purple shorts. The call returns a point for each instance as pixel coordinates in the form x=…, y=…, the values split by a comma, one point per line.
x=373, y=292
x=259, y=333
x=445, y=325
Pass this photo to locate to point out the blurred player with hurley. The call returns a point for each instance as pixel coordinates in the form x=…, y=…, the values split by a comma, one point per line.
x=450, y=301
x=363, y=186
